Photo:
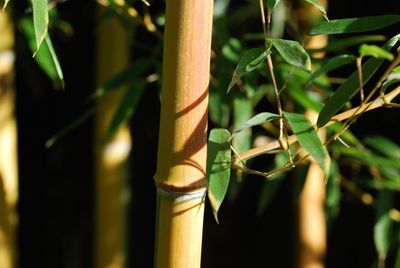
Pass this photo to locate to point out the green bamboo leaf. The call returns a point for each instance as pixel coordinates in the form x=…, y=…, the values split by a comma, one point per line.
x=392, y=184
x=384, y=146
x=127, y=107
x=218, y=167
x=250, y=60
x=374, y=51
x=354, y=25
x=242, y=110
x=351, y=86
x=292, y=52
x=318, y=5
x=333, y=194
x=271, y=4
x=383, y=223
x=332, y=64
x=45, y=57
x=257, y=120
x=40, y=20
x=308, y=138
x=56, y=63
x=368, y=158
x=127, y=75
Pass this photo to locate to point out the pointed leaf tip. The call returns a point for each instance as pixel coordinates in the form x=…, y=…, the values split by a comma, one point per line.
x=292, y=52
x=40, y=20
x=308, y=138
x=218, y=167
x=250, y=61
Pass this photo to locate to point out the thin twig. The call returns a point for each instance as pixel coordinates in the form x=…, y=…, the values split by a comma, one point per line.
x=377, y=103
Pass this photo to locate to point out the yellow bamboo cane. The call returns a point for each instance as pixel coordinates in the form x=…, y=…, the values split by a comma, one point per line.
x=311, y=204
x=8, y=147
x=182, y=151
x=110, y=155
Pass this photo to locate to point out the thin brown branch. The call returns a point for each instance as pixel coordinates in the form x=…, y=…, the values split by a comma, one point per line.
x=377, y=103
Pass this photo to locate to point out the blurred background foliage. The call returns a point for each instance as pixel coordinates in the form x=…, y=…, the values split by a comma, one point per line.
x=257, y=221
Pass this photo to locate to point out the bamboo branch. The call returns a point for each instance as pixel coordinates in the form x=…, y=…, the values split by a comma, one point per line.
x=381, y=101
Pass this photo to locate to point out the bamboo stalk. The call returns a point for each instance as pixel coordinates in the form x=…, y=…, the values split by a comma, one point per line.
x=8, y=147
x=311, y=246
x=110, y=155
x=311, y=216
x=182, y=151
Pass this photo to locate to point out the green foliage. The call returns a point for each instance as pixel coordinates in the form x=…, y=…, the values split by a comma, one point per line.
x=375, y=51
x=45, y=56
x=40, y=20
x=271, y=4
x=352, y=85
x=308, y=138
x=218, y=167
x=333, y=64
x=127, y=107
x=354, y=25
x=292, y=52
x=383, y=224
x=318, y=5
x=250, y=60
x=257, y=120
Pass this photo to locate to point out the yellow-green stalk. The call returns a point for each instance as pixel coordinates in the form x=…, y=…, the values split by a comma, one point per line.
x=311, y=204
x=182, y=151
x=8, y=146
x=110, y=155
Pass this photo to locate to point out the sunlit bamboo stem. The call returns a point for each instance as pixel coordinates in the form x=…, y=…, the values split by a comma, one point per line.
x=110, y=155
x=182, y=152
x=8, y=146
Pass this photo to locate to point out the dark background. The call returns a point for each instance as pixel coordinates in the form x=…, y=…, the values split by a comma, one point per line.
x=56, y=185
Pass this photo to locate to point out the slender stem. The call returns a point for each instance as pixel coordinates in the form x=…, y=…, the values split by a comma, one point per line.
x=379, y=102
x=364, y=106
x=360, y=78
x=283, y=144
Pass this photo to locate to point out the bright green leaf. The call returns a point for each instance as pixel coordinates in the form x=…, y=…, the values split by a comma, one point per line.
x=242, y=110
x=333, y=194
x=218, y=167
x=257, y=120
x=397, y=69
x=308, y=138
x=56, y=63
x=383, y=224
x=292, y=52
x=384, y=146
x=351, y=86
x=250, y=60
x=45, y=57
x=354, y=25
x=368, y=158
x=127, y=75
x=318, y=5
x=40, y=20
x=271, y=4
x=374, y=51
x=332, y=64
x=127, y=107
